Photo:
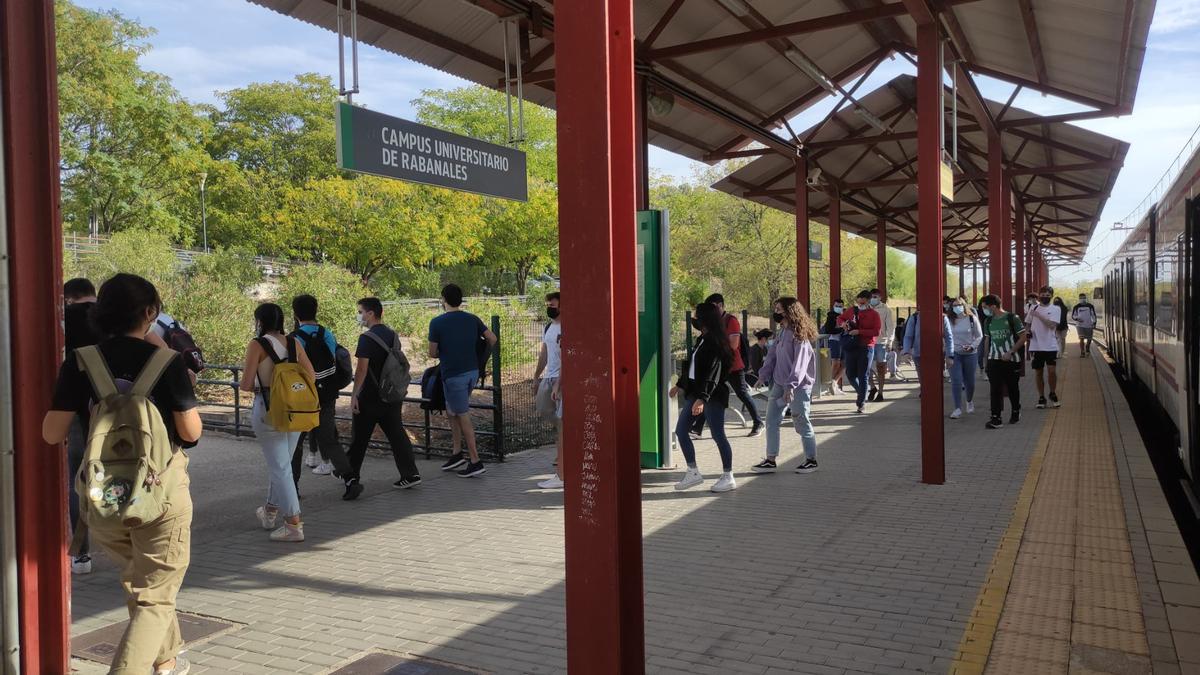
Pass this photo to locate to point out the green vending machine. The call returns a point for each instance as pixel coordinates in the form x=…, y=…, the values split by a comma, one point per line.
x=654, y=337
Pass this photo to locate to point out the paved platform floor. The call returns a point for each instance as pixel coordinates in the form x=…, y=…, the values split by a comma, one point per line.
x=855, y=568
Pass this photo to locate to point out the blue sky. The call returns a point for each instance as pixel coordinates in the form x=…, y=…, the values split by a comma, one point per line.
x=214, y=45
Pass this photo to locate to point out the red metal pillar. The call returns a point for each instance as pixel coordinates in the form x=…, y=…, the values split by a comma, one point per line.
x=643, y=147
x=1006, y=284
x=835, y=249
x=1019, y=264
x=962, y=277
x=802, y=271
x=597, y=158
x=996, y=241
x=930, y=268
x=29, y=118
x=881, y=258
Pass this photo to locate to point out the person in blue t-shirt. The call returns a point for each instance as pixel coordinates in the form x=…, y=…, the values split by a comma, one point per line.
x=323, y=441
x=454, y=338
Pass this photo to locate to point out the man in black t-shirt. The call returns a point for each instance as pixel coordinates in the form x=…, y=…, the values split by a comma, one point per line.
x=79, y=295
x=369, y=410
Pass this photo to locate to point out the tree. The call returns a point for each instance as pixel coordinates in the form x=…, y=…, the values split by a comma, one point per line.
x=522, y=237
x=370, y=224
x=131, y=146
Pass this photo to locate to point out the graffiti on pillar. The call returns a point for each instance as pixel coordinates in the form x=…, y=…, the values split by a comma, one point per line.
x=589, y=475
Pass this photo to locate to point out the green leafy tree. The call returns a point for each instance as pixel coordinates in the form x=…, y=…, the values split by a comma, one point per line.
x=371, y=224
x=131, y=147
x=145, y=253
x=337, y=291
x=522, y=237
x=234, y=265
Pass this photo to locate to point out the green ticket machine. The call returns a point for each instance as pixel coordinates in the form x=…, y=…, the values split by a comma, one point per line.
x=654, y=337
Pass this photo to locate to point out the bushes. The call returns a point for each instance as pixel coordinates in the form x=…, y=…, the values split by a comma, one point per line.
x=337, y=291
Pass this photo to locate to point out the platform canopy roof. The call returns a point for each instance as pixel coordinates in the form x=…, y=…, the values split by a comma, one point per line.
x=725, y=73
x=1061, y=174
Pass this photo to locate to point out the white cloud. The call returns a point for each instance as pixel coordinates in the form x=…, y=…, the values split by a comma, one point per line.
x=1172, y=16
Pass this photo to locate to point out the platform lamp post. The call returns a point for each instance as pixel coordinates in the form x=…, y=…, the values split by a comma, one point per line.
x=203, y=214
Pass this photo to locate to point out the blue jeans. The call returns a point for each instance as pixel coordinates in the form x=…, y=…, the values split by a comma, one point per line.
x=801, y=419
x=856, y=360
x=277, y=447
x=962, y=372
x=714, y=414
x=76, y=445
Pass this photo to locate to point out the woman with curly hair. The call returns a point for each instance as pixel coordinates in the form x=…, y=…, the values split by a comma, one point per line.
x=790, y=371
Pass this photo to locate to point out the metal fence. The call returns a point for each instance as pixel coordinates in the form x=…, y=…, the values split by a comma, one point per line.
x=502, y=409
x=85, y=246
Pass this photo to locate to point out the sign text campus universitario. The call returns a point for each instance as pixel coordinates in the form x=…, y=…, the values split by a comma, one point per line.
x=375, y=143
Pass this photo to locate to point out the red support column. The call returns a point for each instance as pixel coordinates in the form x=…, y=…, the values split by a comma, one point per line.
x=962, y=277
x=597, y=185
x=1006, y=285
x=643, y=147
x=996, y=241
x=29, y=123
x=835, y=249
x=802, y=270
x=881, y=258
x=1019, y=264
x=930, y=268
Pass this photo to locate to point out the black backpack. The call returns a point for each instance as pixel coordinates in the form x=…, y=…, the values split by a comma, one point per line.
x=334, y=371
x=432, y=393
x=181, y=341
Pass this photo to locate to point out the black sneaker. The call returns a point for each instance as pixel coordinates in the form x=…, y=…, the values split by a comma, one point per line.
x=353, y=490
x=472, y=469
x=871, y=394
x=406, y=483
x=1015, y=417
x=757, y=430
x=1041, y=403
x=454, y=462
x=1054, y=400
x=807, y=466
x=994, y=423
x=859, y=409
x=879, y=395
x=765, y=466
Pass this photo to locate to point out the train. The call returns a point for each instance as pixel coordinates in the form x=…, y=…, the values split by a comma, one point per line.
x=1149, y=311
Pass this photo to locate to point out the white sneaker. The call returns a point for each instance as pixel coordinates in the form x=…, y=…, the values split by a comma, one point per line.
x=289, y=533
x=182, y=667
x=956, y=414
x=311, y=459
x=551, y=483
x=970, y=408
x=266, y=518
x=692, y=478
x=323, y=469
x=81, y=564
x=725, y=483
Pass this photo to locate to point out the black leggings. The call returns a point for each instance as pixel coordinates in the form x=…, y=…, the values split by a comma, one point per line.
x=1004, y=376
x=325, y=439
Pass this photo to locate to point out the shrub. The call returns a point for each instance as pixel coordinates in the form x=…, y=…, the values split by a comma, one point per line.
x=336, y=289
x=146, y=254
x=234, y=265
x=219, y=315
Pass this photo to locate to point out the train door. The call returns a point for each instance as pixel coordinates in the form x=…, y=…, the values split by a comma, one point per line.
x=1130, y=343
x=1190, y=444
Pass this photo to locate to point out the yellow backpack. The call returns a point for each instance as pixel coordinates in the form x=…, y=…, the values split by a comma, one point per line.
x=292, y=403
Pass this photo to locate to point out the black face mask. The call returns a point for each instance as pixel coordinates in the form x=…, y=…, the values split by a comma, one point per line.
x=1045, y=299
x=552, y=312
x=697, y=324
x=777, y=317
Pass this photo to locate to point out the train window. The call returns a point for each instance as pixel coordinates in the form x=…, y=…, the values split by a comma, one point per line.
x=1165, y=292
x=1098, y=293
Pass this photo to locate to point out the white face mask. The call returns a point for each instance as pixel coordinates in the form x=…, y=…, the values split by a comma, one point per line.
x=360, y=319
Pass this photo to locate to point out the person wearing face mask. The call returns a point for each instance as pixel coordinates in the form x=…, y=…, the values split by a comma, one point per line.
x=1031, y=301
x=737, y=373
x=758, y=354
x=1084, y=316
x=548, y=401
x=790, y=371
x=861, y=326
x=152, y=558
x=831, y=329
x=912, y=341
x=1006, y=335
x=703, y=385
x=277, y=446
x=966, y=334
x=1043, y=321
x=877, y=366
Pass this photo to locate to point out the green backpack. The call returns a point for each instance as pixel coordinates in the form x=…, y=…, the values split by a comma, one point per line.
x=124, y=481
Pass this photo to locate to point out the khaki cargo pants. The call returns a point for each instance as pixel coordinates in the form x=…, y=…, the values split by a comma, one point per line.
x=153, y=560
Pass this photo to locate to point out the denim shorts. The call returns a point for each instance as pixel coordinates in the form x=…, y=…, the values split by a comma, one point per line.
x=458, y=392
x=835, y=349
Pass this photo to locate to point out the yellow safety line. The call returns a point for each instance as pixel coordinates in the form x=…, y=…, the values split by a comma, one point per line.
x=976, y=643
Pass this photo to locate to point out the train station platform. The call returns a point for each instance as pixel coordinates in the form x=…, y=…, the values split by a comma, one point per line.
x=1050, y=549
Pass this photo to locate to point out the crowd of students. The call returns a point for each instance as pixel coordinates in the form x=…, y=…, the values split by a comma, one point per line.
x=130, y=368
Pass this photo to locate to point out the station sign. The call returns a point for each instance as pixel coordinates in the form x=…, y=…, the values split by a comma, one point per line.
x=947, y=182
x=382, y=145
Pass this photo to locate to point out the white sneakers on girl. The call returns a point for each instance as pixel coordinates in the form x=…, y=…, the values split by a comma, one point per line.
x=289, y=532
x=970, y=407
x=692, y=478
x=956, y=414
x=725, y=483
x=267, y=518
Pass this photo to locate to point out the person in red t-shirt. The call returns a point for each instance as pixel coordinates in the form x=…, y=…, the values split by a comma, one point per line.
x=737, y=372
x=860, y=327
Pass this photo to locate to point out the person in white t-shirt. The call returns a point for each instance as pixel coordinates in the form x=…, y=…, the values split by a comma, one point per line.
x=549, y=394
x=1084, y=316
x=1043, y=321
